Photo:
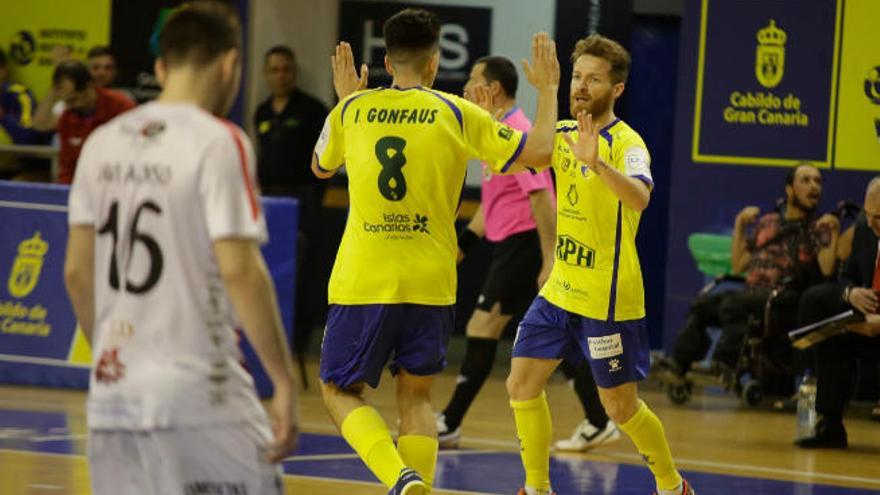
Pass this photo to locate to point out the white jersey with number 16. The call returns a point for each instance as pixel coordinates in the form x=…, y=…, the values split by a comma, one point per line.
x=159, y=184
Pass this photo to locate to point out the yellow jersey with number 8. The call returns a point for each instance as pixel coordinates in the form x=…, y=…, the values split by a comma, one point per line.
x=405, y=152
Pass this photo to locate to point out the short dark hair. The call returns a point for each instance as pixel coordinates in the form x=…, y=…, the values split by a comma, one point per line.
x=199, y=32
x=100, y=51
x=74, y=71
x=411, y=33
x=607, y=49
x=792, y=172
x=280, y=50
x=501, y=69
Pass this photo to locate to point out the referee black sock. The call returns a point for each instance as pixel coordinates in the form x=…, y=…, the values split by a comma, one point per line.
x=479, y=357
x=581, y=378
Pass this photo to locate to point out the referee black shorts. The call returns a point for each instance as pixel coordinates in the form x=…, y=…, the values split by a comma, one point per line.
x=513, y=274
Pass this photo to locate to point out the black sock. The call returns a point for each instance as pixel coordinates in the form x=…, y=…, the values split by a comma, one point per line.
x=585, y=388
x=478, y=359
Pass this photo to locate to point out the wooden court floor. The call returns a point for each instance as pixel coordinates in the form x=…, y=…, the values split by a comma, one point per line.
x=713, y=434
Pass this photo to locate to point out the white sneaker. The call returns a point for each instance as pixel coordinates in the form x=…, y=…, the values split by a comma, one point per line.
x=586, y=437
x=447, y=439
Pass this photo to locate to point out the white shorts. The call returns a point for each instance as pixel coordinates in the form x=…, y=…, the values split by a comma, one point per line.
x=214, y=460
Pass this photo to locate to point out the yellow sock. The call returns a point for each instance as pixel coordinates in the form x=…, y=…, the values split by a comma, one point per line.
x=420, y=453
x=535, y=430
x=646, y=431
x=366, y=432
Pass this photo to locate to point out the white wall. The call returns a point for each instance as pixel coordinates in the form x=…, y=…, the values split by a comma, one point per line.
x=310, y=27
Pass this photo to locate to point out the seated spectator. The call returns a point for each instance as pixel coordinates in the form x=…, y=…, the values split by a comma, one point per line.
x=836, y=357
x=787, y=250
x=16, y=124
x=86, y=107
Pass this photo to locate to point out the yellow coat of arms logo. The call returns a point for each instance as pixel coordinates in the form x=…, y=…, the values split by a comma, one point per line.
x=27, y=266
x=770, y=56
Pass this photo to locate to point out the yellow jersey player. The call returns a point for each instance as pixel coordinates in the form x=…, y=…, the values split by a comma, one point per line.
x=392, y=289
x=593, y=303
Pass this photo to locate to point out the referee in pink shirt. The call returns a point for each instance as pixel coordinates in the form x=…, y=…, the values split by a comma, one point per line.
x=517, y=215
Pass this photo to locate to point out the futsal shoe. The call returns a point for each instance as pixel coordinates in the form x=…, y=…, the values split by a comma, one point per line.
x=409, y=483
x=448, y=439
x=586, y=437
x=685, y=490
x=829, y=435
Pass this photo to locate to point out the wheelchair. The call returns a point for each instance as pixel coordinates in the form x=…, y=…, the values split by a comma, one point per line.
x=763, y=364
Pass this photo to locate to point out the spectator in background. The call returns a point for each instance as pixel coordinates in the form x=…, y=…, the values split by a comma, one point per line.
x=788, y=250
x=86, y=107
x=288, y=124
x=16, y=127
x=836, y=357
x=102, y=66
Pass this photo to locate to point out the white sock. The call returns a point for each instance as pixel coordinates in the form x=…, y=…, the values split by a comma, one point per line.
x=675, y=491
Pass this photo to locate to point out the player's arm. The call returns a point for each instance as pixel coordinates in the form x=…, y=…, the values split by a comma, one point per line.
x=328, y=158
x=320, y=172
x=236, y=226
x=739, y=251
x=632, y=191
x=545, y=219
x=252, y=294
x=79, y=276
x=543, y=74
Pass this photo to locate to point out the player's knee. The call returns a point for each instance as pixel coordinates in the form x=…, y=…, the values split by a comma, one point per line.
x=620, y=408
x=520, y=388
x=330, y=391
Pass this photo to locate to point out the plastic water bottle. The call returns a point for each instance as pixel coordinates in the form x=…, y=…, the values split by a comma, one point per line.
x=806, y=407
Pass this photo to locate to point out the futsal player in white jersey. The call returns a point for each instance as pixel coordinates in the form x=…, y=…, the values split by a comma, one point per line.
x=163, y=264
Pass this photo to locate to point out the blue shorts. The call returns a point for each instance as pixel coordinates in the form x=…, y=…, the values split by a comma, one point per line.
x=618, y=351
x=360, y=339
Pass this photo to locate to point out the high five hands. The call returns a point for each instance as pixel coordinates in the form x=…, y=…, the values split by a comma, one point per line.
x=345, y=77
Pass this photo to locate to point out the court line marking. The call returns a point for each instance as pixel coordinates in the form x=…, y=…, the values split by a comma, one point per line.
x=370, y=483
x=635, y=459
x=286, y=475
x=352, y=455
x=38, y=360
x=696, y=462
x=32, y=206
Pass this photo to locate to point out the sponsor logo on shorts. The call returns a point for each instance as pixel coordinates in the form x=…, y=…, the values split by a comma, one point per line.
x=614, y=365
x=605, y=347
x=215, y=488
x=505, y=133
x=575, y=253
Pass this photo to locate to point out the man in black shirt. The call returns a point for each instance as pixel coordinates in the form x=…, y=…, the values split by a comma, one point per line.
x=288, y=124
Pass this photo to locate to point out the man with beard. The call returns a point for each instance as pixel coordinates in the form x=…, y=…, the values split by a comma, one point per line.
x=592, y=306
x=786, y=250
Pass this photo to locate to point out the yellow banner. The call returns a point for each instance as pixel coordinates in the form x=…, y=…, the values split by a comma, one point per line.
x=31, y=30
x=858, y=112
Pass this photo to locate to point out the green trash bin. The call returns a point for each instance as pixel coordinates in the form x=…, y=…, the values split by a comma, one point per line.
x=711, y=252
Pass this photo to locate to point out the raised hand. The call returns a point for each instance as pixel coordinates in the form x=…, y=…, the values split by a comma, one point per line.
x=345, y=77
x=543, y=72
x=586, y=149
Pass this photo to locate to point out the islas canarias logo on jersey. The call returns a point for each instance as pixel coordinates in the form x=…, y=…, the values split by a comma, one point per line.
x=770, y=56
x=27, y=266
